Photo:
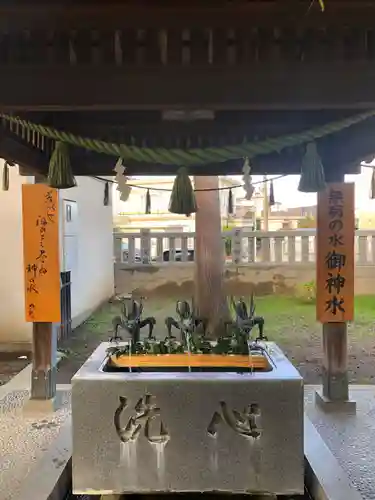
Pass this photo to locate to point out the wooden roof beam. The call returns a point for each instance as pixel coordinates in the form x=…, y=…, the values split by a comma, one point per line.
x=114, y=15
x=348, y=85
x=31, y=160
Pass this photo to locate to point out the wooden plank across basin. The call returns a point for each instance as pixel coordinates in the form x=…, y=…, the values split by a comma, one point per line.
x=257, y=362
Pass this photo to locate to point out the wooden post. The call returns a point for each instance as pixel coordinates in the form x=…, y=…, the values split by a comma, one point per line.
x=210, y=299
x=335, y=384
x=335, y=362
x=43, y=379
x=42, y=288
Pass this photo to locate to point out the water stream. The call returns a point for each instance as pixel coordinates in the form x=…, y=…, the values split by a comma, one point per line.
x=130, y=355
x=250, y=355
x=188, y=345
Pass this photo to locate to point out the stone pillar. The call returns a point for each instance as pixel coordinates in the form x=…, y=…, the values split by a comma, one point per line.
x=145, y=246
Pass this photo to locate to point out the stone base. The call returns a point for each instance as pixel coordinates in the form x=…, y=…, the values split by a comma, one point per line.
x=331, y=406
x=40, y=406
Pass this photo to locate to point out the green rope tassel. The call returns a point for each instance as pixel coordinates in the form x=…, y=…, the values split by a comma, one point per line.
x=106, y=194
x=6, y=176
x=182, y=197
x=148, y=202
x=272, y=195
x=230, y=203
x=312, y=174
x=60, y=174
x=372, y=190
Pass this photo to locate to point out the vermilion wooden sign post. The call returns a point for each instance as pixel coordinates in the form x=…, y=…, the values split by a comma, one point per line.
x=335, y=254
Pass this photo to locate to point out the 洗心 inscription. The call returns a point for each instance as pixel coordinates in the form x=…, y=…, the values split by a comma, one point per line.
x=243, y=423
x=145, y=416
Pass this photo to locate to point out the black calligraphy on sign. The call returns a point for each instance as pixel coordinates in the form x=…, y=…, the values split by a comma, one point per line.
x=335, y=260
x=335, y=305
x=31, y=286
x=335, y=283
x=37, y=269
x=31, y=310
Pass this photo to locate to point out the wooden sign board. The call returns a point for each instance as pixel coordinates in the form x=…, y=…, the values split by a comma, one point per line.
x=40, y=217
x=335, y=254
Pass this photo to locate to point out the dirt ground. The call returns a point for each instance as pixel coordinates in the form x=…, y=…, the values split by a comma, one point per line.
x=288, y=322
x=11, y=364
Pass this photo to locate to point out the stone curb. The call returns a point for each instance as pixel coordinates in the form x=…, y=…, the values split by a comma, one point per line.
x=324, y=477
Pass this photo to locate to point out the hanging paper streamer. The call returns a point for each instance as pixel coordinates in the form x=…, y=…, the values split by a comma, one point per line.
x=60, y=174
x=272, y=195
x=122, y=180
x=247, y=180
x=230, y=203
x=182, y=197
x=148, y=202
x=372, y=190
x=312, y=174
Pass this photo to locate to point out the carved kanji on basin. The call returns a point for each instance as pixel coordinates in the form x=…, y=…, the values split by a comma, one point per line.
x=243, y=423
x=146, y=416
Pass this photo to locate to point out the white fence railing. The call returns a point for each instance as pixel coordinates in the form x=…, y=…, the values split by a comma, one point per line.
x=240, y=247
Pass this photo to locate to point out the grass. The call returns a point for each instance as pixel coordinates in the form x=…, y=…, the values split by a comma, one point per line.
x=285, y=314
x=290, y=322
x=288, y=319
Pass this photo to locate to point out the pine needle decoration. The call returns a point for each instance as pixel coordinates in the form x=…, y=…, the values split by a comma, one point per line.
x=60, y=174
x=230, y=203
x=182, y=200
x=148, y=202
x=372, y=188
x=5, y=185
x=312, y=174
x=272, y=195
x=106, y=194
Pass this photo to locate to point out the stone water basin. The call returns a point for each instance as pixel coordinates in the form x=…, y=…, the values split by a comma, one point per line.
x=188, y=423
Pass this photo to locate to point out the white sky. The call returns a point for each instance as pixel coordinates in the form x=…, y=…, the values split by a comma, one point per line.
x=286, y=191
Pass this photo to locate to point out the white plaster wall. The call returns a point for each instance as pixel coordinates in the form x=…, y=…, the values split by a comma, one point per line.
x=93, y=277
x=13, y=327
